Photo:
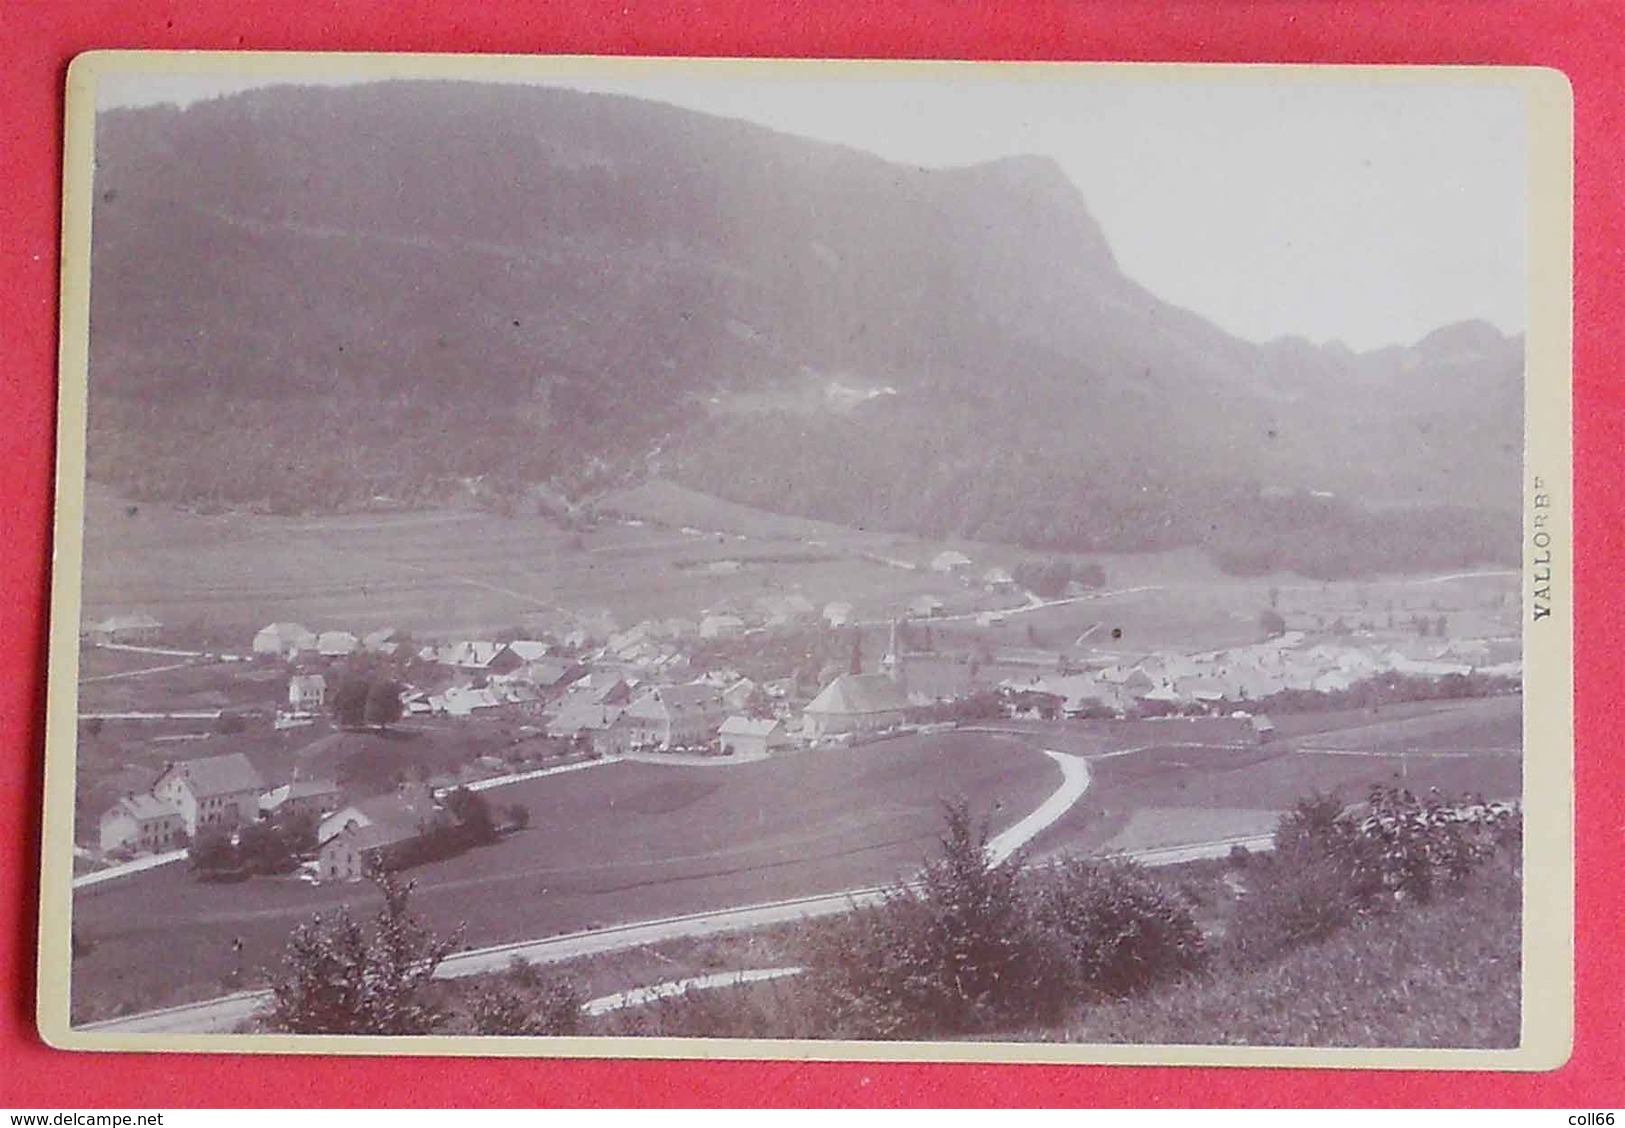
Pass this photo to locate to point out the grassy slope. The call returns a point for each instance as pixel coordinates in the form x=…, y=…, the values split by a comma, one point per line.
x=1445, y=975
x=1441, y=975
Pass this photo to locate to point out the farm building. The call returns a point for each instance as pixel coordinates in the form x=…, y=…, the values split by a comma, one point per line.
x=284, y=640
x=336, y=644
x=748, y=736
x=837, y=614
x=412, y=806
x=307, y=692
x=998, y=581
x=950, y=563
x=737, y=695
x=602, y=687
x=346, y=856
x=124, y=630
x=855, y=703
x=599, y=725
x=143, y=823
x=302, y=796
x=925, y=606
x=384, y=641
x=220, y=791
x=721, y=626
x=674, y=715
x=530, y=650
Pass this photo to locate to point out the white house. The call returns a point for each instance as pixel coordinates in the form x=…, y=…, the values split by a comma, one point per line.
x=336, y=644
x=220, y=791
x=748, y=736
x=721, y=626
x=837, y=614
x=302, y=796
x=283, y=640
x=855, y=703
x=307, y=693
x=950, y=562
x=143, y=823
x=668, y=716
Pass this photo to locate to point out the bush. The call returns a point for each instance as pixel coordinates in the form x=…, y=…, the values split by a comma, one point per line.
x=1119, y=928
x=546, y=1007
x=1336, y=864
x=337, y=978
x=954, y=953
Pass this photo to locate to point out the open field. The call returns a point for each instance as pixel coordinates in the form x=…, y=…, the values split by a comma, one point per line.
x=626, y=841
x=1166, y=794
x=221, y=577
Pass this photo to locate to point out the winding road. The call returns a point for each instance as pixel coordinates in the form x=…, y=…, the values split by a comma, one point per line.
x=224, y=1014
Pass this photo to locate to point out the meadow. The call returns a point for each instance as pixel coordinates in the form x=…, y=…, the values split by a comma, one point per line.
x=615, y=843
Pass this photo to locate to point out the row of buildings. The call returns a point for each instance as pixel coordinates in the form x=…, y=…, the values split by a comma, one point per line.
x=1257, y=672
x=193, y=797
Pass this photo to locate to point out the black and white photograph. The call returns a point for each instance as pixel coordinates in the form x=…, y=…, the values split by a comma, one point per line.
x=647, y=557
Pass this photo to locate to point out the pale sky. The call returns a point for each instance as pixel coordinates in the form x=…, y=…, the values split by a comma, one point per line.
x=1324, y=208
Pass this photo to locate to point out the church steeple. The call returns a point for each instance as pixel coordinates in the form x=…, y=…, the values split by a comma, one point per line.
x=894, y=659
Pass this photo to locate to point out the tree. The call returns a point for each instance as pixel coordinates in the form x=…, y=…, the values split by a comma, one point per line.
x=383, y=703
x=518, y=816
x=855, y=664
x=348, y=702
x=337, y=978
x=212, y=854
x=1272, y=623
x=473, y=815
x=951, y=953
x=262, y=848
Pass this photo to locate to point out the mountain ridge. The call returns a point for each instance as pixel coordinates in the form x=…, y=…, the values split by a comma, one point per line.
x=389, y=289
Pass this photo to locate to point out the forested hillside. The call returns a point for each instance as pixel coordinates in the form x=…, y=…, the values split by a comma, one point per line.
x=319, y=300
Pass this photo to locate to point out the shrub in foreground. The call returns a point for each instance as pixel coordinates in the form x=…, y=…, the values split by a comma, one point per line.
x=1335, y=865
x=1119, y=929
x=973, y=946
x=956, y=952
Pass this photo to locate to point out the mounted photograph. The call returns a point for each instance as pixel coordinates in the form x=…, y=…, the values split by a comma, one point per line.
x=738, y=558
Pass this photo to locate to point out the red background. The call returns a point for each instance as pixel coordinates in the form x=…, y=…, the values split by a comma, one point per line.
x=39, y=37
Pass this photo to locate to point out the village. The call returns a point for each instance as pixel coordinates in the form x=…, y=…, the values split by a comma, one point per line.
x=762, y=676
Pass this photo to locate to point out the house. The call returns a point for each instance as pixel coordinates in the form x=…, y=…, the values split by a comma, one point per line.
x=855, y=703
x=284, y=640
x=307, y=692
x=600, y=725
x=721, y=626
x=336, y=644
x=302, y=796
x=671, y=716
x=546, y=673
x=1263, y=728
x=950, y=563
x=998, y=581
x=925, y=606
x=747, y=736
x=220, y=791
x=142, y=823
x=347, y=855
x=602, y=688
x=412, y=806
x=737, y=696
x=837, y=614
x=529, y=650
x=124, y=630
x=383, y=830
x=787, y=609
x=386, y=640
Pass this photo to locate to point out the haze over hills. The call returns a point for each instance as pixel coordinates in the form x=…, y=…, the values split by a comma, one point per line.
x=304, y=299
